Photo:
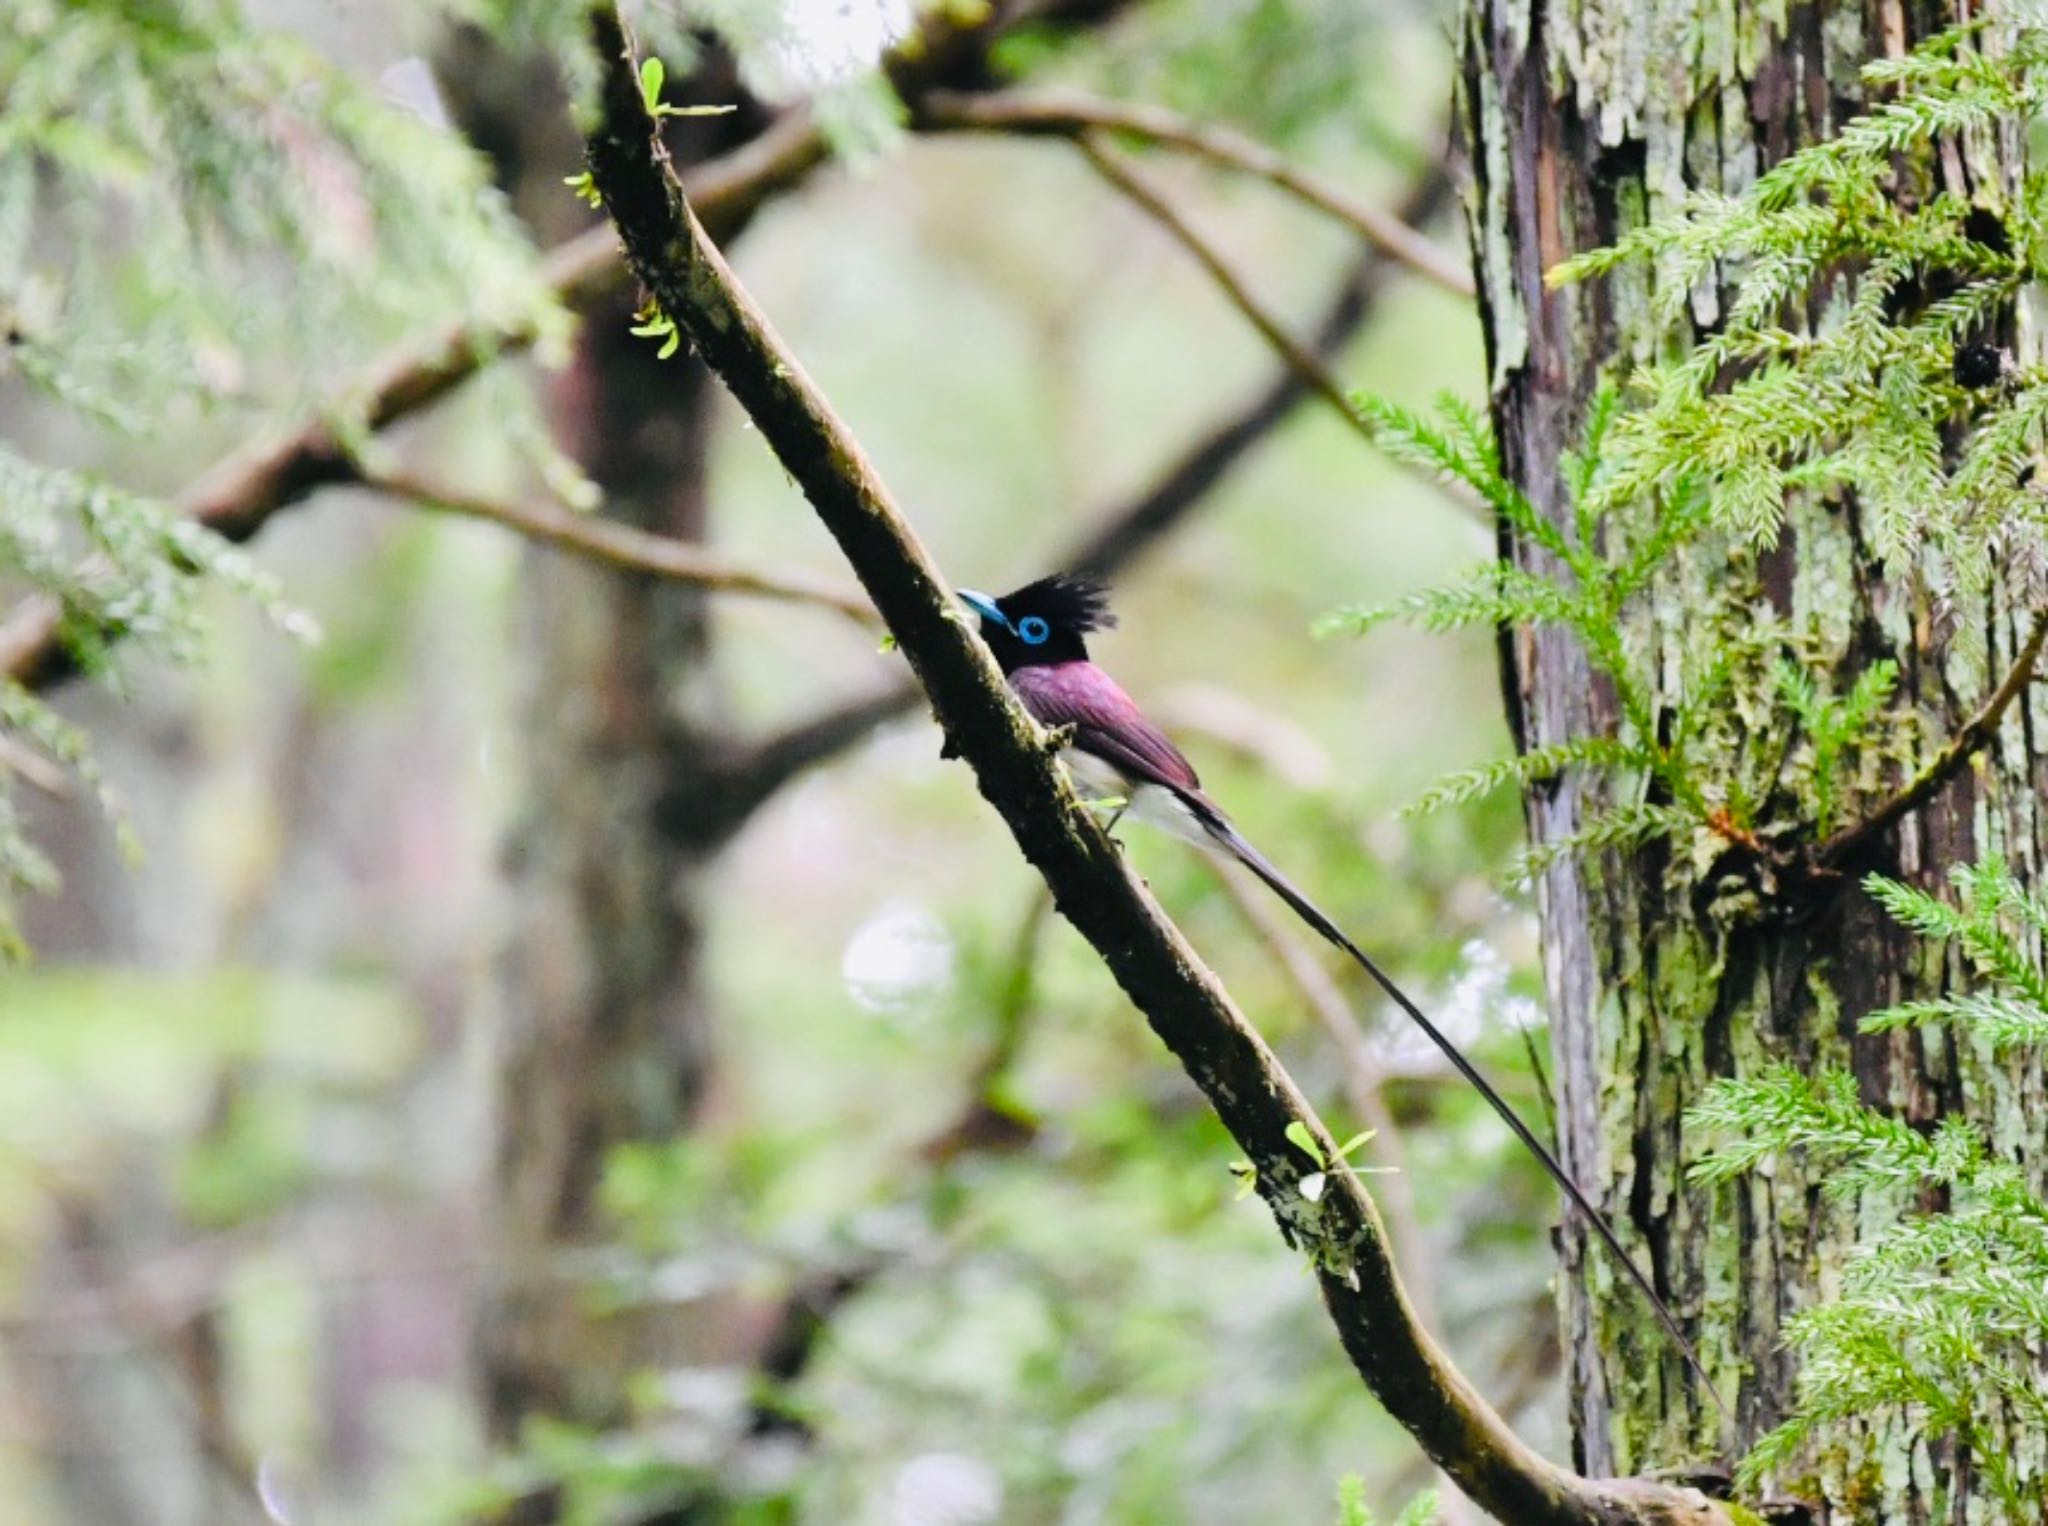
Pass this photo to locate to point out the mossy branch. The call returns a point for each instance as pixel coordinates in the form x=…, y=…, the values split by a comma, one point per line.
x=1255, y=1098
x=241, y=494
x=1115, y=537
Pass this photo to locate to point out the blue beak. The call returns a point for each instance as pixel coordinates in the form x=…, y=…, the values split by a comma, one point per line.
x=982, y=605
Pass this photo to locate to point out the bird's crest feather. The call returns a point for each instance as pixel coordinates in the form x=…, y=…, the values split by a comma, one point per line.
x=1067, y=601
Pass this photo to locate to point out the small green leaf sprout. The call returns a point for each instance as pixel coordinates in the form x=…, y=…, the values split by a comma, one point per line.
x=653, y=74
x=1317, y=1182
x=656, y=324
x=1302, y=1140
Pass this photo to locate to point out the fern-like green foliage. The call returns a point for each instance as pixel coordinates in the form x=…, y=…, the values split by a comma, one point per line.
x=1993, y=922
x=113, y=566
x=1862, y=351
x=203, y=218
x=1691, y=769
x=1878, y=392
x=1939, y=1319
x=1834, y=725
x=215, y=205
x=199, y=219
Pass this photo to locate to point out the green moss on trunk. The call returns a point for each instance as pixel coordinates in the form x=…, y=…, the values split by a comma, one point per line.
x=1584, y=120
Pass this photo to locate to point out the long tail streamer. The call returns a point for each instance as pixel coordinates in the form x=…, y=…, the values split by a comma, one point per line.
x=1228, y=837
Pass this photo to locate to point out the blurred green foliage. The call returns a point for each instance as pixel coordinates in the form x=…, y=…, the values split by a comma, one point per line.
x=197, y=215
x=263, y=1057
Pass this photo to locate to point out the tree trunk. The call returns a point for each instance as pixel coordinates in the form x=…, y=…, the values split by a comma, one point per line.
x=606, y=1030
x=1586, y=121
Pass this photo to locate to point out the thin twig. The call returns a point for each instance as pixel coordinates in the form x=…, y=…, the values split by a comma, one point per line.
x=1542, y=1074
x=1965, y=744
x=1116, y=168
x=240, y=494
x=629, y=550
x=1120, y=172
x=1253, y=1096
x=1125, y=531
x=1072, y=114
x=1365, y=1083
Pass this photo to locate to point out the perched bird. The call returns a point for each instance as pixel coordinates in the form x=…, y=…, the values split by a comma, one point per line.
x=1038, y=635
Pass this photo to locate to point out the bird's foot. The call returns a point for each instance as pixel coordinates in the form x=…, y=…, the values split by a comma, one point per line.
x=1059, y=738
x=1116, y=805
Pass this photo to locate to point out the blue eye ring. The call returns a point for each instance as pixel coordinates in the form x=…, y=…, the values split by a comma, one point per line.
x=1033, y=631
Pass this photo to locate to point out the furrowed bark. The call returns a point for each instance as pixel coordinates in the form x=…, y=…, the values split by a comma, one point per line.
x=1583, y=122
x=1091, y=885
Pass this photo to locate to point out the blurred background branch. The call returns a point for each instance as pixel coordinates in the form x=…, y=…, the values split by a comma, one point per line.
x=1071, y=114
x=1116, y=168
x=624, y=549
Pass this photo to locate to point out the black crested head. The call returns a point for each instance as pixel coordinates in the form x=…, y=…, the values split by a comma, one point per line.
x=1042, y=622
x=1067, y=601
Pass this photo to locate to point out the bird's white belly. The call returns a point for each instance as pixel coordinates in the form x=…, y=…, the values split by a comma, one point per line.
x=1096, y=779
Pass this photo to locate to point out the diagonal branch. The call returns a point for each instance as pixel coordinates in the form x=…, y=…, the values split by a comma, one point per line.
x=1363, y=1077
x=1118, y=169
x=239, y=496
x=760, y=773
x=626, y=549
x=1073, y=114
x=1091, y=885
x=1127, y=531
x=1964, y=745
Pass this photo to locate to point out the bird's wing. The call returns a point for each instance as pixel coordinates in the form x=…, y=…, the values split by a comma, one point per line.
x=1107, y=722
